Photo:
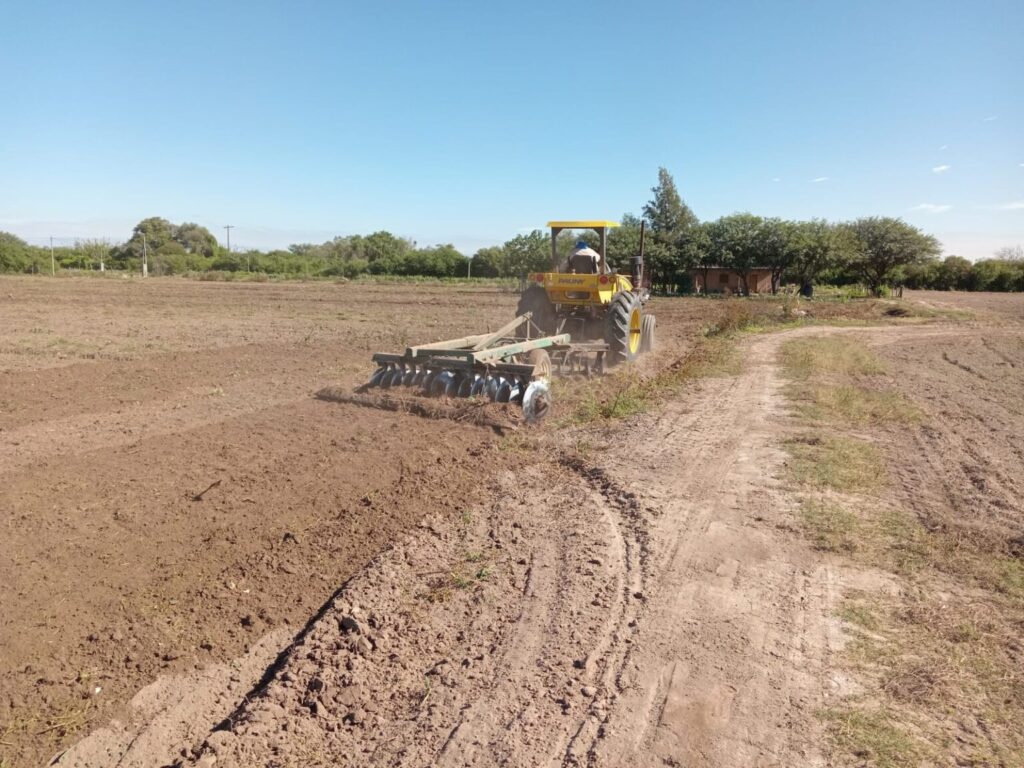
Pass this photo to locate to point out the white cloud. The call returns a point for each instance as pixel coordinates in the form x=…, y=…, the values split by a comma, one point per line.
x=944, y=146
x=931, y=208
x=1016, y=205
x=990, y=118
x=778, y=179
x=1022, y=165
x=941, y=168
x=819, y=179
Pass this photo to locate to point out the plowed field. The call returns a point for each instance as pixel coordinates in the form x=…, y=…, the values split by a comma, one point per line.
x=203, y=564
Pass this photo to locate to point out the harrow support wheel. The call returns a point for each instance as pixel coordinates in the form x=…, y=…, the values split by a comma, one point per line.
x=541, y=362
x=647, y=328
x=623, y=328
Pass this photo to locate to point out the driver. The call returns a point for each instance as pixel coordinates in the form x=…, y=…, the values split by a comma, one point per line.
x=584, y=259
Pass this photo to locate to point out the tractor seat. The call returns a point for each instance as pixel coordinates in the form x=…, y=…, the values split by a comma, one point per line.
x=582, y=264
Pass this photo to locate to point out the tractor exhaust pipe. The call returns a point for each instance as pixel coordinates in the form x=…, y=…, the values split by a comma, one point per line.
x=636, y=263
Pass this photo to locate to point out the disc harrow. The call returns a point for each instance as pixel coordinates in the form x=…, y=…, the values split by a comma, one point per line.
x=510, y=365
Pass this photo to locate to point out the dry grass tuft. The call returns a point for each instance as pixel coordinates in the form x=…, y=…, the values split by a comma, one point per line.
x=626, y=393
x=831, y=527
x=804, y=358
x=856, y=405
x=874, y=737
x=828, y=380
x=835, y=463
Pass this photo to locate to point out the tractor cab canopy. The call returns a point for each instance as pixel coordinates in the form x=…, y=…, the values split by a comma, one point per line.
x=600, y=227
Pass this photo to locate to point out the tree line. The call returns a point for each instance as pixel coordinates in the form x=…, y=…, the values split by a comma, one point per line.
x=872, y=251
x=174, y=249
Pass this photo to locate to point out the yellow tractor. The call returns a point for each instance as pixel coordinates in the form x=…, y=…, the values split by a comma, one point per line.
x=583, y=297
x=579, y=316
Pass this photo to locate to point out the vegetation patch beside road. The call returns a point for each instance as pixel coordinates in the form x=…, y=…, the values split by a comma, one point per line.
x=712, y=351
x=935, y=654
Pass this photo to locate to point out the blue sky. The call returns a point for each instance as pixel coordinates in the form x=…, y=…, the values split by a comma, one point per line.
x=469, y=122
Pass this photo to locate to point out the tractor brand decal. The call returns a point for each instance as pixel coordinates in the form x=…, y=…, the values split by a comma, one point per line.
x=571, y=281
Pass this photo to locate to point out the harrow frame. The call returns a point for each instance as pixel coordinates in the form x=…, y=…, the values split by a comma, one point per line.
x=491, y=364
x=482, y=353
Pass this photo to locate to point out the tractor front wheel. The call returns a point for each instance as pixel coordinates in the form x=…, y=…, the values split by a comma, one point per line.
x=623, y=327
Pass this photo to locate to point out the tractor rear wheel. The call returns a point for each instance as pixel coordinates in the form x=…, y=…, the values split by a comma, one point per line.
x=647, y=326
x=622, y=329
x=535, y=300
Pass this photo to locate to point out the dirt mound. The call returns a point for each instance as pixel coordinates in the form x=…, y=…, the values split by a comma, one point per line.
x=483, y=413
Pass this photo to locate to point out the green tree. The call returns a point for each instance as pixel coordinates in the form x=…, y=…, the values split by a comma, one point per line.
x=15, y=253
x=924, y=274
x=383, y=247
x=528, y=253
x=736, y=243
x=194, y=238
x=153, y=232
x=999, y=275
x=489, y=262
x=94, y=253
x=624, y=243
x=884, y=245
x=696, y=252
x=954, y=274
x=668, y=217
x=779, y=243
x=818, y=246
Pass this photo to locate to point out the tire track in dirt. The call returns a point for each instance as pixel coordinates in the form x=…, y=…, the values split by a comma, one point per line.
x=541, y=644
x=734, y=650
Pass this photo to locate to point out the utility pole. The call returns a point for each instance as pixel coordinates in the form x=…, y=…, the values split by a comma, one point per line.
x=53, y=263
x=228, y=228
x=145, y=257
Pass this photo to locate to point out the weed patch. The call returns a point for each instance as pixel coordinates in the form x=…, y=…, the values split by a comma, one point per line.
x=836, y=463
x=804, y=358
x=830, y=527
x=873, y=736
x=628, y=393
x=856, y=405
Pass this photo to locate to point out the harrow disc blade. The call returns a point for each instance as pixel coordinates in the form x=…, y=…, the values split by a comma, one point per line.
x=491, y=387
x=377, y=376
x=389, y=377
x=407, y=379
x=428, y=380
x=440, y=383
x=479, y=384
x=515, y=394
x=504, y=392
x=466, y=386
x=453, y=387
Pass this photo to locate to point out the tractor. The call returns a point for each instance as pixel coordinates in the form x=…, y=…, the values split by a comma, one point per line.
x=589, y=301
x=581, y=316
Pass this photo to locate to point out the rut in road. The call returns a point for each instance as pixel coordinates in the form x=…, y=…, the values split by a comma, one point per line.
x=734, y=649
